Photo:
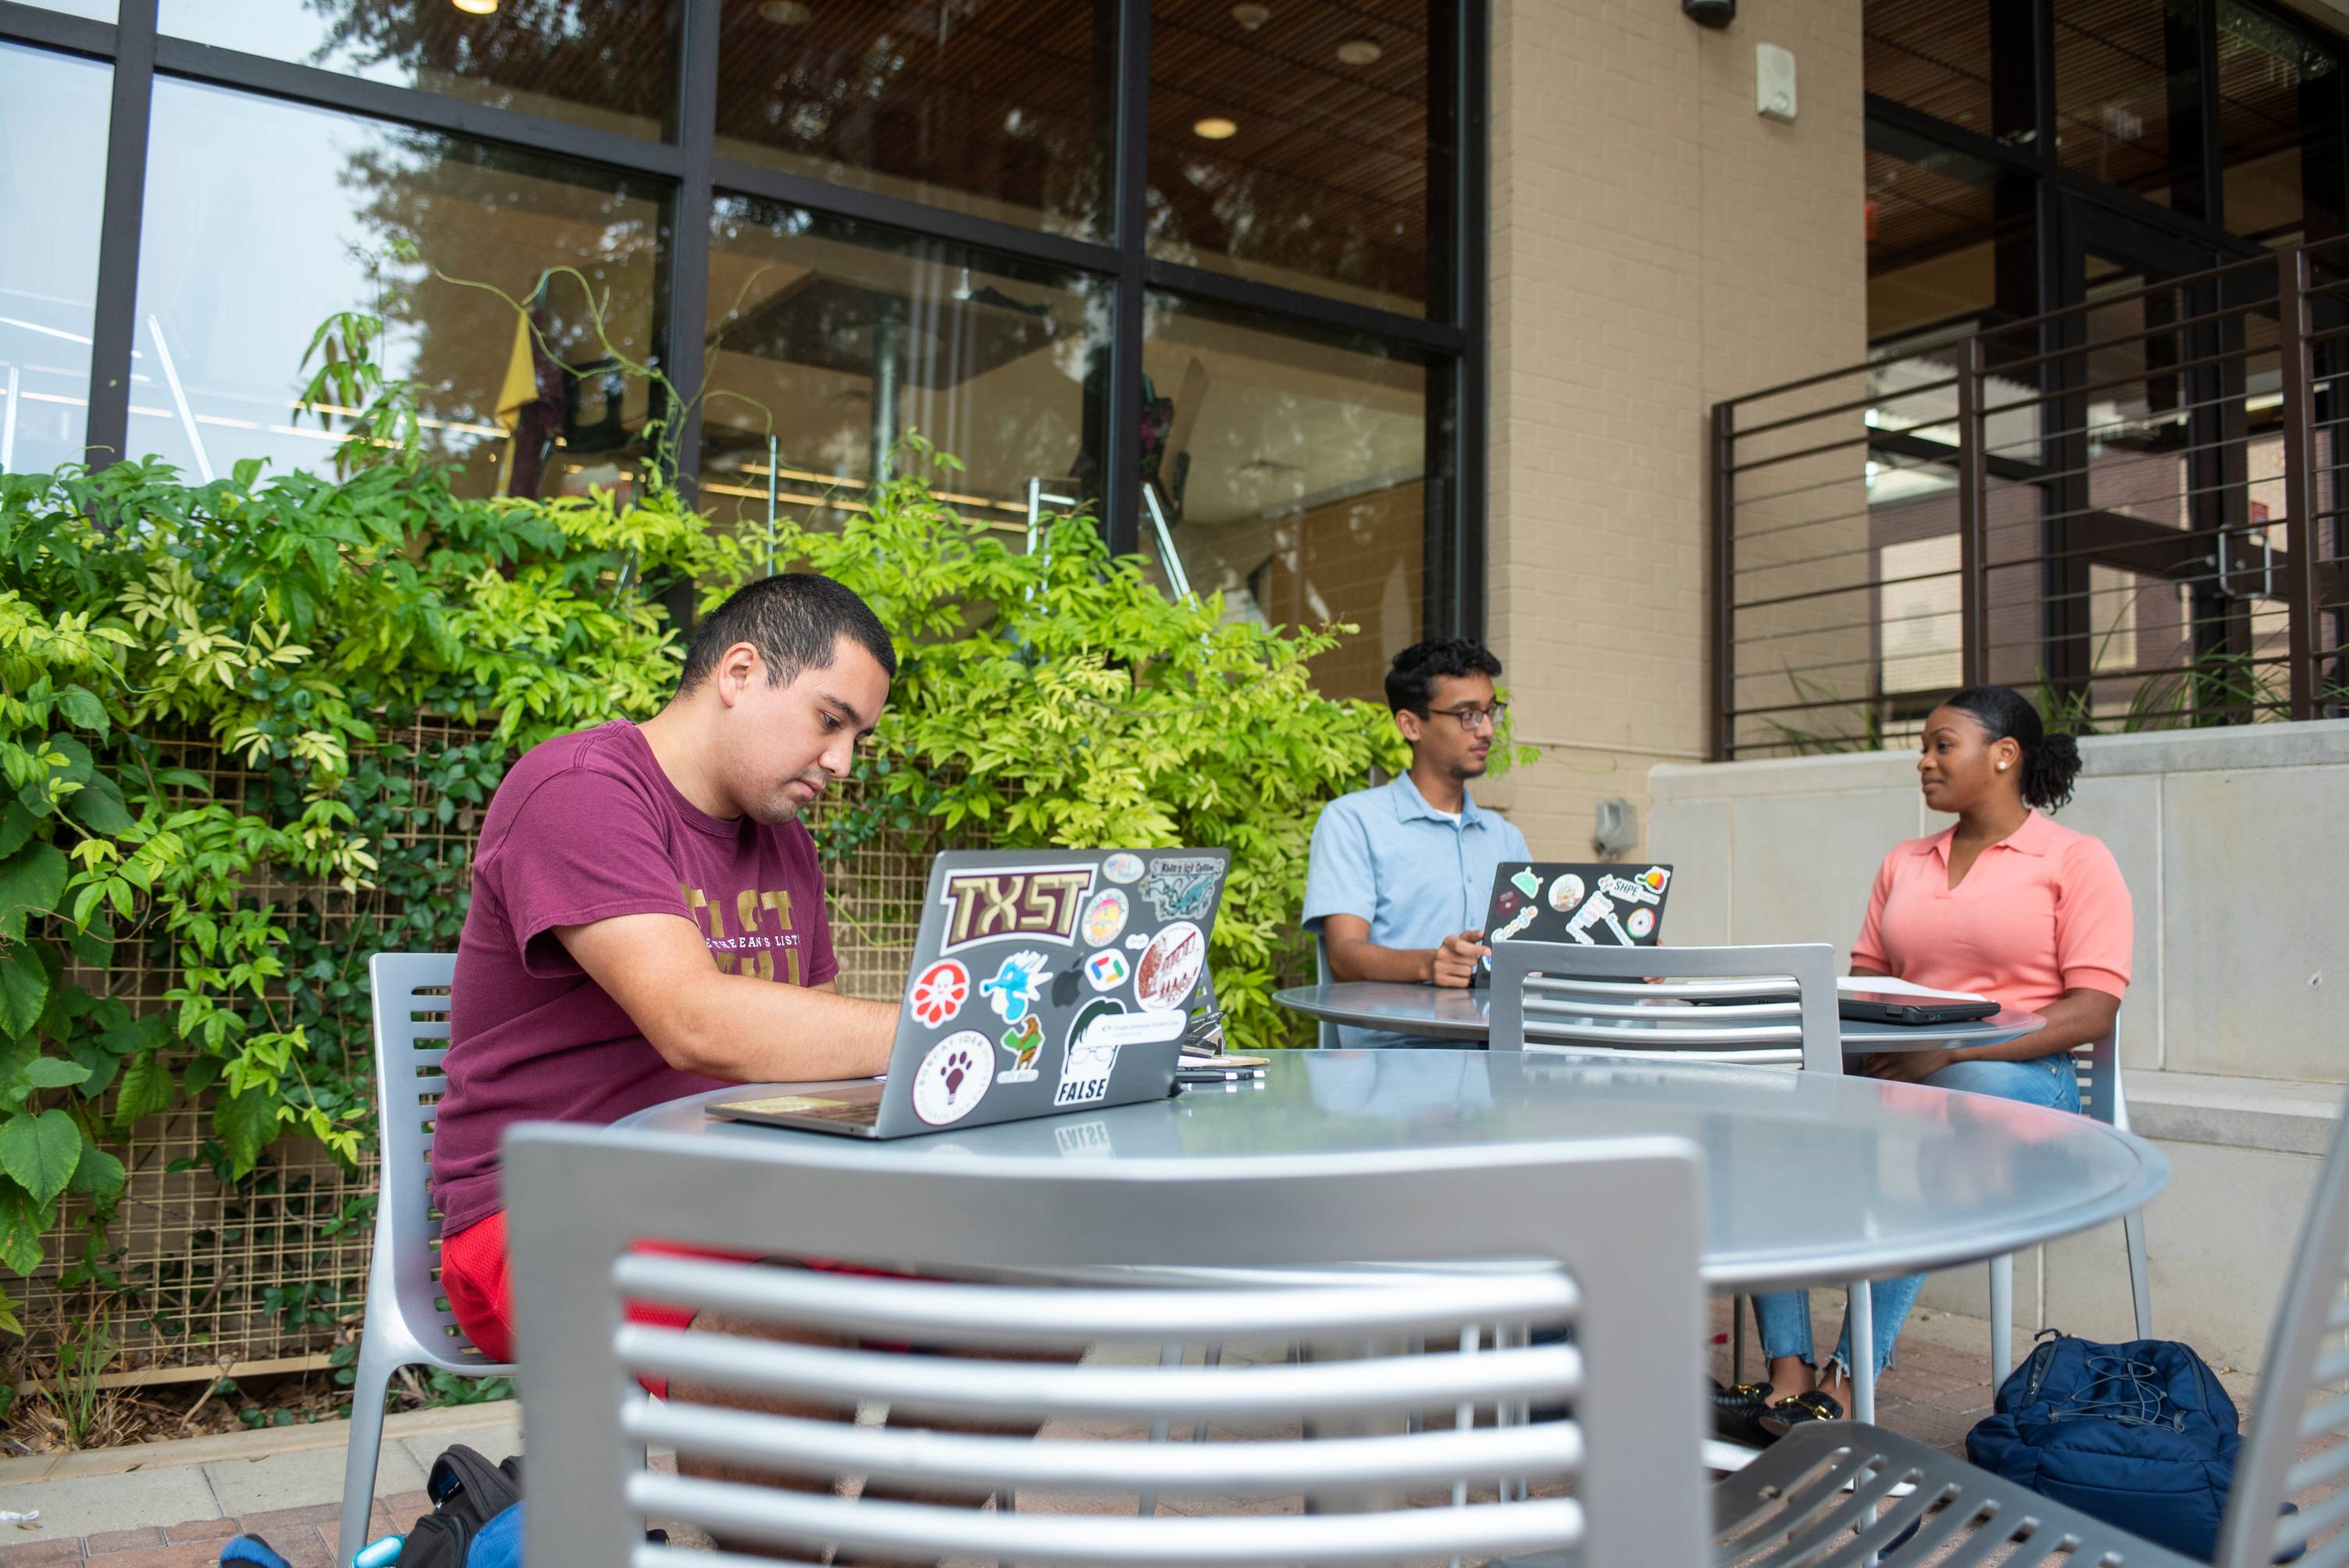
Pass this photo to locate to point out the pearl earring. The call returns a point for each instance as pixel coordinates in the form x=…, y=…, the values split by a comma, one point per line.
x=2002, y=767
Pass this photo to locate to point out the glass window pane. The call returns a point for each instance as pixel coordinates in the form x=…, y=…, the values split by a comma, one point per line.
x=2128, y=96
x=59, y=104
x=1937, y=58
x=605, y=64
x=263, y=218
x=1293, y=473
x=1949, y=240
x=1290, y=144
x=2279, y=129
x=96, y=10
x=835, y=339
x=999, y=110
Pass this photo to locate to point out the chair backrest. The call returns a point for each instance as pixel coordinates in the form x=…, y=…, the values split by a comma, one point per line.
x=2302, y=1395
x=1767, y=1003
x=1615, y=1222
x=411, y=993
x=2097, y=1066
x=1326, y=1036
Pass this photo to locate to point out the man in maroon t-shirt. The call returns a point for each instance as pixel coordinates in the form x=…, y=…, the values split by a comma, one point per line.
x=647, y=917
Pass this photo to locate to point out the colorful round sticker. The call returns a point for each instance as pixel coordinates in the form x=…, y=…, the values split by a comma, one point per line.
x=1566, y=892
x=954, y=1078
x=1170, y=967
x=940, y=993
x=1105, y=917
x=1640, y=924
x=1122, y=867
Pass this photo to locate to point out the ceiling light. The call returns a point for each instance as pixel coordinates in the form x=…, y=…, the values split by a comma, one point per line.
x=786, y=12
x=1251, y=17
x=478, y=7
x=1359, y=52
x=1214, y=128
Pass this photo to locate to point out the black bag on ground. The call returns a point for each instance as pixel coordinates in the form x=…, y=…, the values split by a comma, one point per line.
x=2139, y=1435
x=467, y=1491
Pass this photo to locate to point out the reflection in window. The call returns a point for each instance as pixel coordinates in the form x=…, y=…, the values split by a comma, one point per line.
x=1293, y=473
x=2128, y=96
x=57, y=104
x=1290, y=144
x=2279, y=129
x=999, y=110
x=606, y=64
x=1937, y=58
x=832, y=340
x=263, y=218
x=96, y=10
x=1949, y=239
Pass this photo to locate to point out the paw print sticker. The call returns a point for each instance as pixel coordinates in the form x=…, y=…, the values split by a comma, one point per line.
x=954, y=1078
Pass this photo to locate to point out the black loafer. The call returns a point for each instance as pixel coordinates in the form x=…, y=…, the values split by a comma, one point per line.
x=1736, y=1413
x=1787, y=1414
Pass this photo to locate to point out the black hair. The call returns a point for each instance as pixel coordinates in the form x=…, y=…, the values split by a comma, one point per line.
x=2050, y=762
x=796, y=620
x=1410, y=683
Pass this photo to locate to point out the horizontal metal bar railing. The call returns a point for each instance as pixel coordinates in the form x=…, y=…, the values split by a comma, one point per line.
x=2222, y=624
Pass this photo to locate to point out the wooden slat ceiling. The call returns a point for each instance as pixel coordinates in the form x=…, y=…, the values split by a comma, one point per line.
x=1006, y=100
x=2109, y=54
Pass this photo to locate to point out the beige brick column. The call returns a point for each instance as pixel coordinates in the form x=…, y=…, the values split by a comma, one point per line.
x=1656, y=244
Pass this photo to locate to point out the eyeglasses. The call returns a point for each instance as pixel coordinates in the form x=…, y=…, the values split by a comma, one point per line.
x=1473, y=720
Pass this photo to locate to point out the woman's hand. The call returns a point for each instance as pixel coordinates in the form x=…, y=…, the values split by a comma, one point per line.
x=1907, y=1067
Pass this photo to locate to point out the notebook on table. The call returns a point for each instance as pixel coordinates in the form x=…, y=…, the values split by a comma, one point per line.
x=1041, y=982
x=1604, y=905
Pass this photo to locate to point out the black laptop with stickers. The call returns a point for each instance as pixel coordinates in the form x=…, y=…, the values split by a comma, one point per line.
x=1596, y=905
x=1041, y=982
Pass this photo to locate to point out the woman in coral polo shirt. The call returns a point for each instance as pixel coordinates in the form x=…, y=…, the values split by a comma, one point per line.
x=2007, y=904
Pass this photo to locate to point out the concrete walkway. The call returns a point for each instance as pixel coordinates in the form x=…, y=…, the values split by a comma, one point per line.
x=170, y=1505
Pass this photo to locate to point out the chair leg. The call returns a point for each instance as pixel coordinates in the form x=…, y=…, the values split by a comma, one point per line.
x=2002, y=1317
x=369, y=1386
x=2140, y=1276
x=1737, y=1339
x=1860, y=1315
x=1170, y=1354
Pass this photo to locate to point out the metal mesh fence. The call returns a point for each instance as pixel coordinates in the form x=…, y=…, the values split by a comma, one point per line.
x=270, y=1274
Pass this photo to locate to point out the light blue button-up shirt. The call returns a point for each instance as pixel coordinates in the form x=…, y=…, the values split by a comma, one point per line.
x=1417, y=875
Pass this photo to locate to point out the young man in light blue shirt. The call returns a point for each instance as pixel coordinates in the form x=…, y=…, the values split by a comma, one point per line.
x=1400, y=874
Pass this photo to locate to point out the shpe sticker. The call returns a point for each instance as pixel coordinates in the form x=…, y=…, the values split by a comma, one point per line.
x=1093, y=1046
x=954, y=1078
x=940, y=993
x=1170, y=966
x=1105, y=917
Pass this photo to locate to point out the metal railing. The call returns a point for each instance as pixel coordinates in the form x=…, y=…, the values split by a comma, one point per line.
x=2128, y=507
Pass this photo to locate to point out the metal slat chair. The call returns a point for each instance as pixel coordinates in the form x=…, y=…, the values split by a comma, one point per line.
x=407, y=1322
x=1791, y=1506
x=1618, y=1221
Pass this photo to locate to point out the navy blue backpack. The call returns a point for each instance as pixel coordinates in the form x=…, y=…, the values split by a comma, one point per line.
x=2139, y=1435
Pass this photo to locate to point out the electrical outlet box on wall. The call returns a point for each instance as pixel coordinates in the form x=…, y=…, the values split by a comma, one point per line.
x=1774, y=83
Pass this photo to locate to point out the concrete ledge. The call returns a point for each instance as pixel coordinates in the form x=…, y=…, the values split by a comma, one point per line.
x=69, y=1465
x=2281, y=1116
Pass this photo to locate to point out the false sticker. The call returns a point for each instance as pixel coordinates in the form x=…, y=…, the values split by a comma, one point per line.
x=1525, y=882
x=1122, y=868
x=1566, y=892
x=1025, y=1041
x=954, y=1078
x=1106, y=970
x=1016, y=985
x=940, y=993
x=1640, y=924
x=1094, y=1045
x=1183, y=889
x=1170, y=966
x=1105, y=917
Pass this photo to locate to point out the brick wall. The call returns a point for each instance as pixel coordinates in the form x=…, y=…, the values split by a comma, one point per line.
x=1656, y=244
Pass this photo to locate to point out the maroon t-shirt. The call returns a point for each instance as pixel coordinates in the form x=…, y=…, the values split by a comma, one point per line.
x=584, y=828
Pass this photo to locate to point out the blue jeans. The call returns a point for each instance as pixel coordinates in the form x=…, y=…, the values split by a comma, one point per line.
x=1784, y=1317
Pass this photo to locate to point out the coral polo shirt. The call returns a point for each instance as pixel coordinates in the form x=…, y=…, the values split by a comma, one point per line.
x=2043, y=912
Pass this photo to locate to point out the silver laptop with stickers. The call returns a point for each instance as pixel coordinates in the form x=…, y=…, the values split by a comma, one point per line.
x=1042, y=982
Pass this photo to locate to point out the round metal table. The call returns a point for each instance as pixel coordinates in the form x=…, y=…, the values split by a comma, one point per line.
x=1452, y=1012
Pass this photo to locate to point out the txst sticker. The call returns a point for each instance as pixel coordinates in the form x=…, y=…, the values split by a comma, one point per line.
x=1038, y=903
x=1094, y=1044
x=954, y=1078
